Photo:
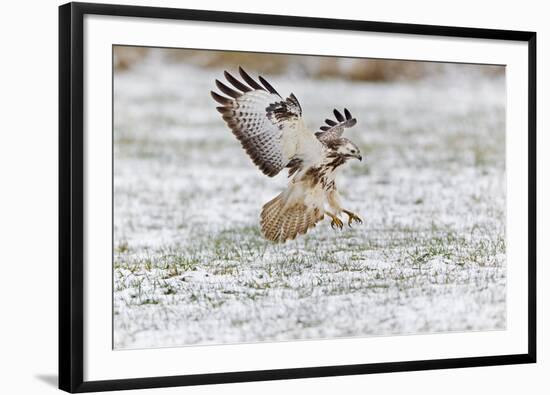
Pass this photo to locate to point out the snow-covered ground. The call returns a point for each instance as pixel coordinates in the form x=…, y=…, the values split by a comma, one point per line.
x=190, y=266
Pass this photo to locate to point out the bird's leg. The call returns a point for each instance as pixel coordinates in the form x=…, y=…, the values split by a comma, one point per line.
x=336, y=222
x=352, y=217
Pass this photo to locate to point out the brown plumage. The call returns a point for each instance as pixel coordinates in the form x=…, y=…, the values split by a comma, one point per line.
x=281, y=222
x=273, y=134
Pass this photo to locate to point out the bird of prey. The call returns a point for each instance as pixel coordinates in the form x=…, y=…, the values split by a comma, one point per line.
x=273, y=133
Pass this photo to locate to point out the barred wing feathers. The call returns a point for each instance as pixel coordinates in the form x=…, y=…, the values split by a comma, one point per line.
x=270, y=128
x=335, y=129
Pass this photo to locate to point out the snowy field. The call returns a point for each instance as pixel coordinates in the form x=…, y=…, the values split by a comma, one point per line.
x=191, y=267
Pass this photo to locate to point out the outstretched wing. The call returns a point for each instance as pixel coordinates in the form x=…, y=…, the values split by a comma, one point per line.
x=335, y=129
x=270, y=128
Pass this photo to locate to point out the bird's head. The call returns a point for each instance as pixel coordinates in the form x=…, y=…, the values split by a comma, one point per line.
x=348, y=149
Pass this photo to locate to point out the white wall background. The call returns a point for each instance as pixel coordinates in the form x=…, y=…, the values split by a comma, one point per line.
x=28, y=197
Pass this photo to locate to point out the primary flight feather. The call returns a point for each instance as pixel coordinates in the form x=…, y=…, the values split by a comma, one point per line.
x=272, y=132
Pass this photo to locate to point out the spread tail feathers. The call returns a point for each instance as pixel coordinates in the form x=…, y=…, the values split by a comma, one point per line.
x=282, y=220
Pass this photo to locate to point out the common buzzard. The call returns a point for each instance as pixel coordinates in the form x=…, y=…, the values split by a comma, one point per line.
x=273, y=133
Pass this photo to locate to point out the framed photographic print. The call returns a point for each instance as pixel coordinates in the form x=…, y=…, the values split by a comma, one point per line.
x=253, y=197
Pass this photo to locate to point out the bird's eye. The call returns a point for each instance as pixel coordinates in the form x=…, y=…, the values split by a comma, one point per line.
x=353, y=151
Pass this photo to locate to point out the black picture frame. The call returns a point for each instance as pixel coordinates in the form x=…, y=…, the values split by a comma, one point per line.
x=71, y=198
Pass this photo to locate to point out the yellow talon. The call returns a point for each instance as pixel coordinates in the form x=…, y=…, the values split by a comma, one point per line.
x=352, y=217
x=336, y=222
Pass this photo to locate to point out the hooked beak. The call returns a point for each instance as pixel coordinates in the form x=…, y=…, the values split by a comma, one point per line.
x=357, y=155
